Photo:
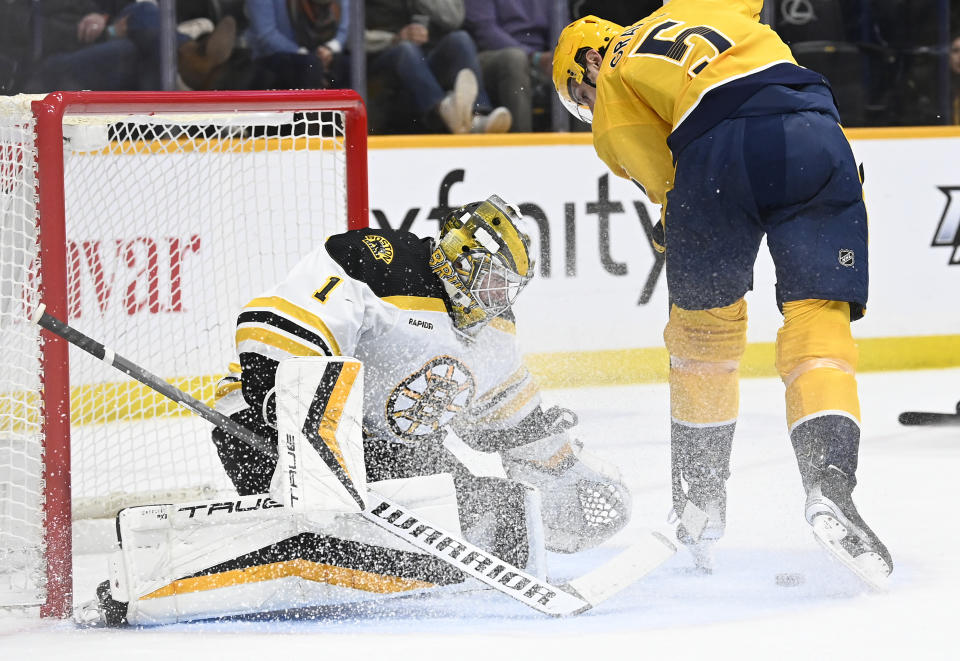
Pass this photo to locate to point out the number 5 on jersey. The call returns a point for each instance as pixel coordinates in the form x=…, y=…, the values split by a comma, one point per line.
x=676, y=48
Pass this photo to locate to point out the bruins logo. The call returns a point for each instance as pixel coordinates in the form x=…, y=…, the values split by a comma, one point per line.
x=420, y=406
x=379, y=247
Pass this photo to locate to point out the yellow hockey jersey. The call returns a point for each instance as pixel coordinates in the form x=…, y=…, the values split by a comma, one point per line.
x=676, y=73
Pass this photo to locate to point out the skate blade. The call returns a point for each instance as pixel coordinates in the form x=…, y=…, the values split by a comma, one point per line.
x=702, y=554
x=869, y=567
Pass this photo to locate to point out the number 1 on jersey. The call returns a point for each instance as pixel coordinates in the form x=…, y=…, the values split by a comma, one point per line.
x=324, y=292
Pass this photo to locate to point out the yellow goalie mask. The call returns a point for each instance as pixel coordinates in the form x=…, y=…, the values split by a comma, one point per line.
x=483, y=260
x=569, y=59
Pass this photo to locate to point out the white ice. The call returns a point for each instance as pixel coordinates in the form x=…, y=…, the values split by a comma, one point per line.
x=906, y=492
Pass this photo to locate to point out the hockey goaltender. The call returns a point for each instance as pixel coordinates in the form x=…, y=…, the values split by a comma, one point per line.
x=435, y=373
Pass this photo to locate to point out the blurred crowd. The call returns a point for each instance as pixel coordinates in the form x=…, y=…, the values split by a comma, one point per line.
x=456, y=66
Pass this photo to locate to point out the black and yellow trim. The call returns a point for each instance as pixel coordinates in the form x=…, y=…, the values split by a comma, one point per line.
x=322, y=559
x=323, y=419
x=274, y=339
x=503, y=324
x=305, y=317
x=251, y=318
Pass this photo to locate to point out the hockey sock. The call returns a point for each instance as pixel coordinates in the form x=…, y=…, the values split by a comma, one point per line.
x=817, y=360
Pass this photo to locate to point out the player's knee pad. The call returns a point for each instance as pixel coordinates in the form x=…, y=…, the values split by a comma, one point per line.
x=705, y=348
x=817, y=359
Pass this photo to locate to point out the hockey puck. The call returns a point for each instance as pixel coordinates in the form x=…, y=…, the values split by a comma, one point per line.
x=788, y=580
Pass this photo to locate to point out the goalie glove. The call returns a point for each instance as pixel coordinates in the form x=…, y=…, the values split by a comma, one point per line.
x=584, y=500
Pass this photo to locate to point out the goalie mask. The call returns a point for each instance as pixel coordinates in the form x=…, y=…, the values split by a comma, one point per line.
x=570, y=59
x=483, y=260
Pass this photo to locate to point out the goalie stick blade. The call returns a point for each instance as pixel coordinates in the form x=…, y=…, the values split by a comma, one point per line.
x=912, y=418
x=869, y=567
x=625, y=569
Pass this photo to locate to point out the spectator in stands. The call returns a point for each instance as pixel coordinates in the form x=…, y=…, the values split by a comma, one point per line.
x=206, y=61
x=300, y=42
x=96, y=44
x=424, y=72
x=516, y=53
x=618, y=11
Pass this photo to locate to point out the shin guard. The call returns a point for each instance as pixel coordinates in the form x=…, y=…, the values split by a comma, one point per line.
x=817, y=360
x=705, y=349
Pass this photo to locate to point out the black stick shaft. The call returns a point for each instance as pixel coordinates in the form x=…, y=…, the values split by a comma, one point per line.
x=97, y=350
x=928, y=418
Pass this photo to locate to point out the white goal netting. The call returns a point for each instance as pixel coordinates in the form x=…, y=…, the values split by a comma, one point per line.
x=171, y=222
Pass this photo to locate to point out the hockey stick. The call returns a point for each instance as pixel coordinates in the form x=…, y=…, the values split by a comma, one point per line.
x=930, y=418
x=574, y=597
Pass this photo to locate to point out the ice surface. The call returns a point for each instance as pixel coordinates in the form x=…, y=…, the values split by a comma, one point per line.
x=906, y=493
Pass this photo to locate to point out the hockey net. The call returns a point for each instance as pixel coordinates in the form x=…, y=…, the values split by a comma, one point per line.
x=146, y=220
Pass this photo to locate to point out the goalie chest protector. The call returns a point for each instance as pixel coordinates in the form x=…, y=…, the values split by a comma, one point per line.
x=420, y=372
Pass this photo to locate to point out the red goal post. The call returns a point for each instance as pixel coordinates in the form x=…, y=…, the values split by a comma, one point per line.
x=145, y=219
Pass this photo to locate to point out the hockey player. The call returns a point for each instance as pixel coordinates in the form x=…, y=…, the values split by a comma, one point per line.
x=443, y=383
x=431, y=322
x=706, y=110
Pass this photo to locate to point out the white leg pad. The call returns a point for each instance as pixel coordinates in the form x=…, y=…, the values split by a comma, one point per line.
x=165, y=567
x=319, y=424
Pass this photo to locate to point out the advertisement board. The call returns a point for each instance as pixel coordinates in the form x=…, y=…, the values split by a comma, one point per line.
x=600, y=288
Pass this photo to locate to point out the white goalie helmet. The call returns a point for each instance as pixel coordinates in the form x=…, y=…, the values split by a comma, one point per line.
x=482, y=257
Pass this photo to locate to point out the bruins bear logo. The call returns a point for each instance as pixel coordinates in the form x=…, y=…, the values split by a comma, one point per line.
x=420, y=406
x=379, y=247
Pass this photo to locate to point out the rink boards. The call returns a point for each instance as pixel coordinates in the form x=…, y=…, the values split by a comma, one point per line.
x=597, y=307
x=595, y=311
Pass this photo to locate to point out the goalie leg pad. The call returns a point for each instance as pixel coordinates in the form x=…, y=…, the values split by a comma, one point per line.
x=319, y=414
x=215, y=559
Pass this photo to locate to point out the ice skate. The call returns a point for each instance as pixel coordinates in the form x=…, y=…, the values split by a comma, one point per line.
x=827, y=449
x=701, y=462
x=840, y=529
x=702, y=522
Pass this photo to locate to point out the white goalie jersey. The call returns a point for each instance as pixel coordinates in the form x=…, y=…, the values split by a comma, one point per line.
x=369, y=294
